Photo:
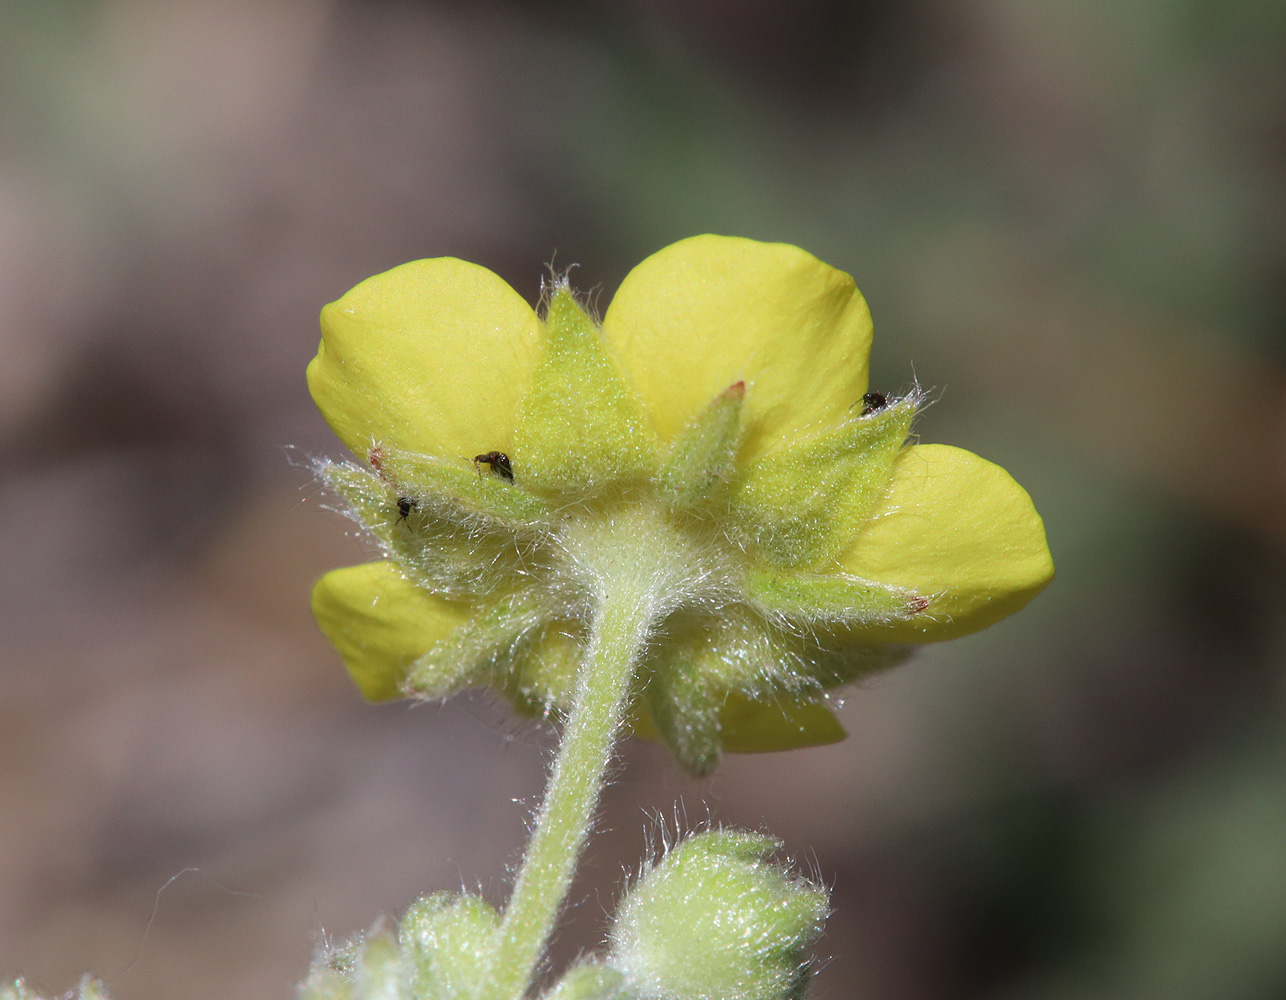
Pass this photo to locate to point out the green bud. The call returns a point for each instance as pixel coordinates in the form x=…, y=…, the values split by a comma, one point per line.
x=589, y=981
x=439, y=952
x=447, y=941
x=714, y=920
x=378, y=971
x=89, y=989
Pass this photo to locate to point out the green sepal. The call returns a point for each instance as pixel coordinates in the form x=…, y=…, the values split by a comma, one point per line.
x=705, y=454
x=487, y=647
x=736, y=649
x=589, y=981
x=836, y=658
x=461, y=491
x=686, y=715
x=447, y=547
x=447, y=944
x=734, y=668
x=579, y=425
x=800, y=504
x=831, y=598
x=542, y=678
x=698, y=727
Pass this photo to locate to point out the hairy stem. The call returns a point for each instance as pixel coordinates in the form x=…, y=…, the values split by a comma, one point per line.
x=571, y=798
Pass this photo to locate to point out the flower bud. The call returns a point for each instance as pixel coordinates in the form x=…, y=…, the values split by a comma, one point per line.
x=589, y=981
x=439, y=952
x=89, y=989
x=447, y=942
x=715, y=920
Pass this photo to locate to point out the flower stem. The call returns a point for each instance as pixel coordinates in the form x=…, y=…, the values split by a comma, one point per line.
x=571, y=798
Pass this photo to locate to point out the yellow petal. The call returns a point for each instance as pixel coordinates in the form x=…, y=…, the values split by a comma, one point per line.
x=380, y=622
x=958, y=530
x=430, y=357
x=763, y=725
x=711, y=311
x=767, y=726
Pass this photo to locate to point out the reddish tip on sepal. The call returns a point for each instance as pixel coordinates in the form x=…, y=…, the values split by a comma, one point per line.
x=917, y=605
x=376, y=458
x=735, y=391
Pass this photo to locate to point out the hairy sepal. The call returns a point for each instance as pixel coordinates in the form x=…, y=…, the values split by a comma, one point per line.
x=829, y=599
x=515, y=645
x=543, y=677
x=685, y=710
x=490, y=645
x=703, y=458
x=579, y=426
x=701, y=682
x=798, y=506
x=438, y=538
x=463, y=491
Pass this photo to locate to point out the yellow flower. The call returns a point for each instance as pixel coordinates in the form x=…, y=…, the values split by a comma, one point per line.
x=717, y=426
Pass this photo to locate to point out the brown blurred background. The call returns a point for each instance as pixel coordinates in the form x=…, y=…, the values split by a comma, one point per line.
x=1069, y=218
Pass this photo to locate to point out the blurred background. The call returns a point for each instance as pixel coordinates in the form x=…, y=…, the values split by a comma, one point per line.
x=1069, y=219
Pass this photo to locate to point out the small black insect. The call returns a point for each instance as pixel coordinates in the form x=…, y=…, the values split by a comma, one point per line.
x=498, y=462
x=873, y=402
x=405, y=505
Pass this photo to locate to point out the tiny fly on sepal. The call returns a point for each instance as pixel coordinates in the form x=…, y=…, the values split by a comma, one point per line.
x=873, y=402
x=405, y=505
x=498, y=462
